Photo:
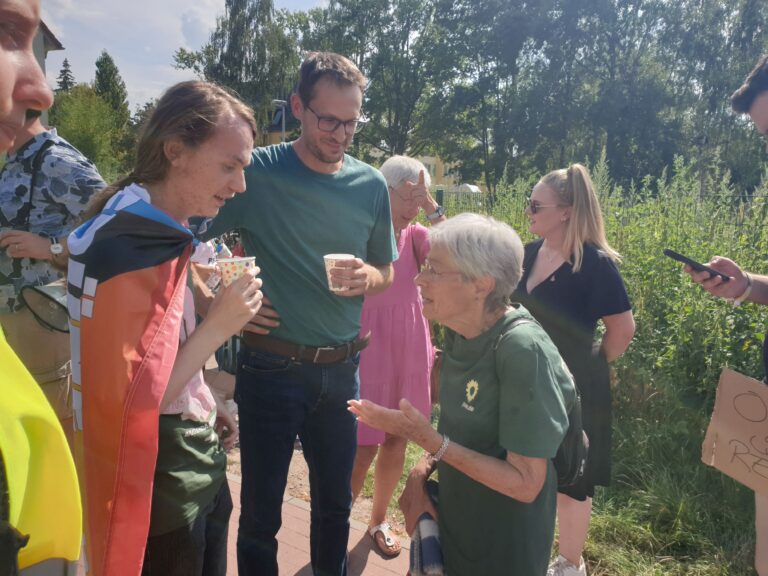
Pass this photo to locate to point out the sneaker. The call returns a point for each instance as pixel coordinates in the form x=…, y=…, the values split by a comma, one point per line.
x=562, y=567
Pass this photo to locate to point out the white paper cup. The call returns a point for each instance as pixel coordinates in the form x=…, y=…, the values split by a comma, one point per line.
x=232, y=268
x=330, y=262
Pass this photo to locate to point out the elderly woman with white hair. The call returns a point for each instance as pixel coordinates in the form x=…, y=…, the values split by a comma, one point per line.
x=505, y=396
x=398, y=361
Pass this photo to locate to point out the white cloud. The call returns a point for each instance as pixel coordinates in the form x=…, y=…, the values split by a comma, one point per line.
x=140, y=35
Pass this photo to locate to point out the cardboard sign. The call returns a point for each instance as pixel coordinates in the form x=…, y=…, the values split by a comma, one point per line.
x=737, y=438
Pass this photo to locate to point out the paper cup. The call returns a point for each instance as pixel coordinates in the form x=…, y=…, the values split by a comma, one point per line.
x=330, y=262
x=232, y=268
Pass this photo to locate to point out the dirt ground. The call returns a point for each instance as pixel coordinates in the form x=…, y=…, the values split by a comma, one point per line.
x=298, y=487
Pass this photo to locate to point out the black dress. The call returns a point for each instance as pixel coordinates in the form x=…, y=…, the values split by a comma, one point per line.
x=568, y=306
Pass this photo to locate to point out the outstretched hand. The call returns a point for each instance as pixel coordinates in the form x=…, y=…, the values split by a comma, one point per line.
x=407, y=422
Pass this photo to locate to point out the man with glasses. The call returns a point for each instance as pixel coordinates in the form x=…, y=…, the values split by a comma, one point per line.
x=299, y=363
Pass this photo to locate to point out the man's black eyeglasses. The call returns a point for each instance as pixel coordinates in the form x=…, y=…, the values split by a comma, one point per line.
x=331, y=124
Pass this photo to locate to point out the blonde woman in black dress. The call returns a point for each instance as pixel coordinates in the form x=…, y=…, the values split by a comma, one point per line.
x=570, y=282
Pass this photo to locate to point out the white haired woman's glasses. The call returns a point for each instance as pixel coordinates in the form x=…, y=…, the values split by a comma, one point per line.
x=428, y=272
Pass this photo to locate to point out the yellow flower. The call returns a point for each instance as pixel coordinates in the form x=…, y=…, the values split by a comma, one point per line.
x=472, y=389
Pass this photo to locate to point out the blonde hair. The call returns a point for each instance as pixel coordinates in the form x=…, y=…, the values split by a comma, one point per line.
x=574, y=188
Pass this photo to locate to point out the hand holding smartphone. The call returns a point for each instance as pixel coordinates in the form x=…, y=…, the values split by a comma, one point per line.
x=698, y=266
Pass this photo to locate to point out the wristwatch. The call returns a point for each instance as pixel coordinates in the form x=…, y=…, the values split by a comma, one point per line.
x=56, y=247
x=437, y=213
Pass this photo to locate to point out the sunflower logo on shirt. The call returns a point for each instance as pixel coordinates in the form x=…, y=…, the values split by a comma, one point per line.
x=472, y=389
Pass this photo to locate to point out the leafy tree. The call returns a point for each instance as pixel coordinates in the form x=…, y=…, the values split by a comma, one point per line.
x=249, y=51
x=88, y=122
x=142, y=114
x=66, y=80
x=111, y=87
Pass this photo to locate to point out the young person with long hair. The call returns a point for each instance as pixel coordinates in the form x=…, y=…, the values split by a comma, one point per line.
x=570, y=282
x=152, y=464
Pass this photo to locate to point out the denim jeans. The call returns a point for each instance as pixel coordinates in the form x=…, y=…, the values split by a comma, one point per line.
x=199, y=549
x=279, y=399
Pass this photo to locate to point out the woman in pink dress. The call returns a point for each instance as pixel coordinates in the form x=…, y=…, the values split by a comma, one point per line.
x=398, y=361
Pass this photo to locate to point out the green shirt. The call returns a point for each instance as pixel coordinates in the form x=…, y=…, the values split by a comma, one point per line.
x=289, y=218
x=514, y=399
x=191, y=466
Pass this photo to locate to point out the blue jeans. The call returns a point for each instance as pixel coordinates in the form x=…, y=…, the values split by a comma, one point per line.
x=279, y=399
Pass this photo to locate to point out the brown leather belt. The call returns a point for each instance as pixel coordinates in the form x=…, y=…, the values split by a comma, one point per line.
x=299, y=353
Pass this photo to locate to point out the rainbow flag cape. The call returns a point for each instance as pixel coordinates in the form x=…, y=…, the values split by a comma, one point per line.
x=43, y=495
x=126, y=279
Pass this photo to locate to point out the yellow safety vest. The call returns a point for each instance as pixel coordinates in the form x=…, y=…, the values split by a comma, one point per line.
x=42, y=481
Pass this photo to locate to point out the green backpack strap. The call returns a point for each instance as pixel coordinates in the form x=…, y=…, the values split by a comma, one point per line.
x=515, y=323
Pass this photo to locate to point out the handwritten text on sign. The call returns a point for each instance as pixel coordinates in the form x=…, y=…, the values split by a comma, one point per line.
x=737, y=438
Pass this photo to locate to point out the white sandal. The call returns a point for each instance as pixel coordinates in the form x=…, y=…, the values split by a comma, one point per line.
x=389, y=540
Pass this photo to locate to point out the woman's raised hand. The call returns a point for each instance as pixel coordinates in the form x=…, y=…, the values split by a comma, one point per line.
x=236, y=304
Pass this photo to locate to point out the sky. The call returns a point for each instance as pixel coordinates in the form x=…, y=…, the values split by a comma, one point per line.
x=140, y=35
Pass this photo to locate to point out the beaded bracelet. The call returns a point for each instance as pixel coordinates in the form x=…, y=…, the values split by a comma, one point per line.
x=441, y=451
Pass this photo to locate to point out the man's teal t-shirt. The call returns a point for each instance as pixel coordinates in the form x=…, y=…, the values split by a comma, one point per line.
x=290, y=217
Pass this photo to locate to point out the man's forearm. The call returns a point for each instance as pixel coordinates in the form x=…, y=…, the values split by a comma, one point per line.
x=379, y=278
x=759, y=292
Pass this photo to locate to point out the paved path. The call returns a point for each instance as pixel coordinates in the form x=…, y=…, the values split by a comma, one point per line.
x=293, y=539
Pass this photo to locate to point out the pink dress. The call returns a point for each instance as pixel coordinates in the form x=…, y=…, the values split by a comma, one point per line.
x=397, y=362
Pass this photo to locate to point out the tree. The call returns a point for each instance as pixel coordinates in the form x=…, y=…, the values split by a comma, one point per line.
x=142, y=114
x=111, y=87
x=66, y=80
x=250, y=52
x=88, y=122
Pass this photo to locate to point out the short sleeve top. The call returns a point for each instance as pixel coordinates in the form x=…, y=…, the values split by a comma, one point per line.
x=505, y=390
x=64, y=184
x=568, y=304
x=289, y=217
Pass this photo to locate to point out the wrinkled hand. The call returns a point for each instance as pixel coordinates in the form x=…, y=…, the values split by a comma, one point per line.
x=714, y=284
x=226, y=427
x=20, y=244
x=407, y=422
x=236, y=304
x=414, y=500
x=266, y=319
x=353, y=274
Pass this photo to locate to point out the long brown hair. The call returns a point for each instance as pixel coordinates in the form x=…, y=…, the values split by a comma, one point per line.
x=574, y=188
x=189, y=111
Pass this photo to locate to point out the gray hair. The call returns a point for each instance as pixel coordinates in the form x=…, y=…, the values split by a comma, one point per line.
x=399, y=169
x=482, y=246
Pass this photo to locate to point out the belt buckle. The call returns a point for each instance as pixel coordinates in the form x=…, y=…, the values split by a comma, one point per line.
x=321, y=349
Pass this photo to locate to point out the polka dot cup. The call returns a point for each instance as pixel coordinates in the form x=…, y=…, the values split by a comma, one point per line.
x=330, y=262
x=232, y=268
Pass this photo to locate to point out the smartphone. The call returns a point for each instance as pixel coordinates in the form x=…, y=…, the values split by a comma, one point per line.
x=698, y=266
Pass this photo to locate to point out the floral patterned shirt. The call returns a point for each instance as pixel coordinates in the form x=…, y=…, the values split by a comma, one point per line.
x=64, y=184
